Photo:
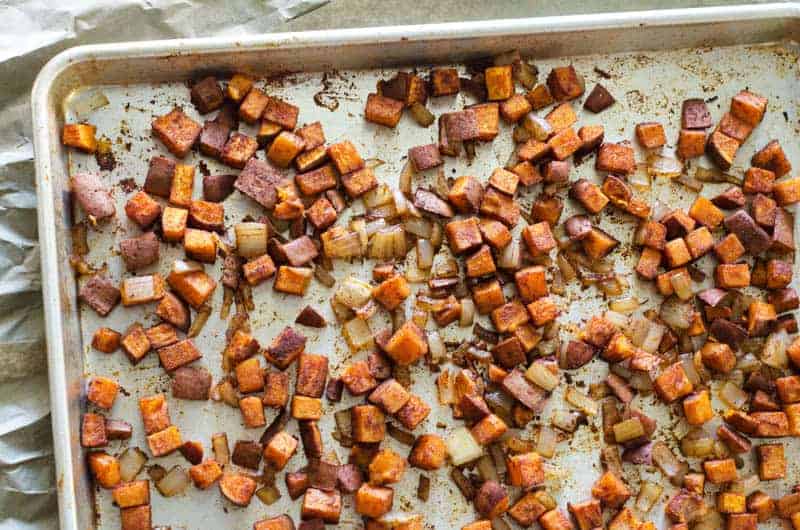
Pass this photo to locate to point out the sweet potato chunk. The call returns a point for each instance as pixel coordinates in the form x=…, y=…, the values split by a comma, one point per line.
x=164, y=442
x=413, y=412
x=179, y=354
x=390, y=395
x=80, y=136
x=93, y=430
x=599, y=99
x=373, y=501
x=691, y=143
x=383, y=110
x=253, y=105
x=237, y=488
x=177, y=131
x=722, y=149
x=695, y=114
x=429, y=452
x=276, y=389
x=292, y=280
x=135, y=343
x=525, y=470
x=650, y=135
x=772, y=158
x=720, y=471
x=407, y=344
x=565, y=83
x=673, y=383
x=564, y=143
x=514, y=108
x=616, y=158
x=102, y=391
x=306, y=408
x=280, y=449
x=142, y=209
x=749, y=107
x=491, y=500
x=368, y=424
x=499, y=82
x=106, y=340
x=610, y=490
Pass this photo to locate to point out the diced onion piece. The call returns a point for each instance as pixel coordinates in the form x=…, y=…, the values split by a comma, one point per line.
x=437, y=235
x=387, y=243
x=444, y=267
x=436, y=347
x=406, y=178
x=676, y=313
x=733, y=396
x=618, y=319
x=462, y=447
x=445, y=388
x=566, y=420
x=637, y=330
x=185, y=266
x=745, y=485
x=421, y=114
x=418, y=226
x=628, y=430
x=527, y=75
x=498, y=523
x=546, y=444
x=131, y=463
x=682, y=284
x=344, y=419
x=486, y=468
x=251, y=239
x=226, y=393
x=268, y=494
x=359, y=226
x=510, y=257
x=538, y=127
x=400, y=203
x=712, y=520
x=626, y=305
x=199, y=321
x=774, y=352
x=413, y=273
x=323, y=276
x=384, y=211
x=697, y=444
x=687, y=360
x=640, y=179
x=668, y=463
x=378, y=196
x=467, y=312
x=353, y=292
x=655, y=332
x=566, y=268
x=662, y=166
x=174, y=482
x=581, y=401
x=541, y=376
x=649, y=493
x=219, y=444
x=425, y=254
x=343, y=245
x=357, y=334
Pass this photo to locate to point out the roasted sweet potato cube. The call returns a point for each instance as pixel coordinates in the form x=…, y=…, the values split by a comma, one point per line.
x=597, y=244
x=760, y=504
x=285, y=148
x=238, y=87
x=130, y=494
x=673, y=383
x=495, y=233
x=179, y=354
x=539, y=97
x=525, y=470
x=543, y=311
x=242, y=346
x=293, y=280
x=588, y=514
x=749, y=107
x=200, y=245
x=182, y=186
x=615, y=158
x=253, y=105
x=80, y=136
x=500, y=206
x=429, y=452
x=773, y=158
x=106, y=340
x=764, y=210
x=528, y=173
x=391, y=293
x=706, y=213
x=164, y=442
x=141, y=289
x=757, y=180
x=407, y=344
x=358, y=378
x=285, y=114
x=135, y=518
x=324, y=505
x=651, y=234
x=463, y=235
x=413, y=412
x=718, y=356
x=285, y=348
x=598, y=99
x=249, y=375
x=504, y=180
x=787, y=191
x=237, y=488
x=491, y=500
x=345, y=157
x=173, y=223
x=771, y=462
x=282, y=522
x=779, y=274
x=555, y=519
x=155, y=414
x=488, y=296
x=649, y=261
x=499, y=82
x=699, y=242
x=531, y=283
x=618, y=348
x=697, y=408
x=691, y=143
x=722, y=149
x=732, y=275
x=258, y=270
x=312, y=373
x=368, y=424
x=730, y=199
x=276, y=389
x=650, y=135
x=93, y=430
x=589, y=195
x=445, y=81
x=488, y=429
x=480, y=263
x=142, y=209
x=252, y=412
x=359, y=182
x=514, y=108
x=466, y=194
x=509, y=317
x=104, y=468
x=729, y=249
x=102, y=391
x=213, y=138
x=373, y=501
x=564, y=143
x=177, y=131
x=761, y=318
x=238, y=150
x=792, y=413
x=534, y=151
x=788, y=389
x=732, y=126
x=383, y=111
x=720, y=471
x=306, y=408
x=610, y=490
x=695, y=114
x=135, y=343
x=386, y=467
x=487, y=116
x=280, y=449
x=525, y=511
x=539, y=238
x=321, y=214
x=677, y=253
x=565, y=83
x=390, y=395
x=561, y=117
x=424, y=157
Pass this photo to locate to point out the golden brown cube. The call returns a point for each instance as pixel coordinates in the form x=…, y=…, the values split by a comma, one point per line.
x=345, y=157
x=253, y=105
x=445, y=81
x=200, y=245
x=106, y=340
x=499, y=82
x=720, y=471
x=732, y=126
x=697, y=408
x=722, y=149
x=610, y=490
x=429, y=452
x=285, y=148
x=285, y=114
x=252, y=412
x=773, y=158
x=164, y=442
x=463, y=235
x=306, y=408
x=509, y=317
x=488, y=296
x=732, y=275
x=256, y=271
x=383, y=111
x=673, y=383
x=390, y=395
x=564, y=143
x=413, y=412
x=276, y=389
x=514, y=108
x=699, y=242
x=237, y=488
x=205, y=474
x=706, y=213
x=616, y=158
x=391, y=293
x=293, y=280
x=561, y=117
x=177, y=131
x=771, y=461
x=650, y=135
x=565, y=83
x=539, y=238
x=729, y=249
x=249, y=375
x=787, y=191
x=80, y=136
x=407, y=344
x=368, y=424
x=179, y=354
x=373, y=501
x=135, y=343
x=387, y=467
x=677, y=253
x=691, y=143
x=543, y=311
x=488, y=429
x=102, y=392
x=757, y=180
x=359, y=182
x=649, y=261
x=280, y=449
x=238, y=87
x=130, y=494
x=142, y=209
x=173, y=223
x=525, y=470
x=531, y=283
x=749, y=107
x=540, y=97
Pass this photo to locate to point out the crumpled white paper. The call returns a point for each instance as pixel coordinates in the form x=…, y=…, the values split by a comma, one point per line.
x=33, y=32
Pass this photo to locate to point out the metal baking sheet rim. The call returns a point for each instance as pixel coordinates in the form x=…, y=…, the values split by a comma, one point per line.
x=46, y=143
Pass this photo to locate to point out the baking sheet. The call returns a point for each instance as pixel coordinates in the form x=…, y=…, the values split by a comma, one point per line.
x=647, y=85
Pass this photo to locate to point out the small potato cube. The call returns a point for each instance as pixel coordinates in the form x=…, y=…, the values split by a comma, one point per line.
x=691, y=143
x=142, y=209
x=173, y=223
x=565, y=83
x=359, y=182
x=718, y=356
x=526, y=510
x=429, y=452
x=764, y=210
x=424, y=157
x=770, y=424
x=179, y=354
x=413, y=412
x=106, y=340
x=383, y=111
x=252, y=412
x=321, y=214
x=306, y=408
x=779, y=274
x=591, y=137
x=673, y=383
x=80, y=136
x=732, y=126
x=407, y=344
x=539, y=97
x=445, y=81
x=732, y=275
x=599, y=99
x=102, y=392
x=525, y=470
x=757, y=180
x=699, y=242
x=760, y=504
x=729, y=249
x=773, y=158
x=543, y=311
x=177, y=131
x=618, y=348
x=539, y=238
x=463, y=235
x=787, y=191
x=182, y=185
x=611, y=490
x=249, y=376
x=649, y=261
x=500, y=206
x=135, y=343
x=238, y=87
x=788, y=389
x=706, y=213
x=534, y=151
x=257, y=271
x=155, y=414
x=253, y=105
x=200, y=245
x=509, y=317
x=141, y=289
x=771, y=462
x=368, y=424
x=238, y=150
x=135, y=518
x=555, y=519
x=495, y=233
x=387, y=467
x=722, y=149
x=164, y=442
x=284, y=114
x=237, y=488
x=589, y=195
x=651, y=234
x=749, y=107
x=481, y=263
x=130, y=494
x=466, y=194
x=280, y=449
x=720, y=471
x=390, y=395
x=677, y=253
x=104, y=469
x=651, y=135
x=345, y=157
x=322, y=505
x=488, y=429
x=285, y=348
x=276, y=389
x=515, y=108
x=588, y=514
x=285, y=148
x=391, y=293
x=528, y=173
x=531, y=283
x=373, y=501
x=93, y=430
x=504, y=180
x=205, y=474
x=616, y=158
x=293, y=280
x=207, y=216
x=564, y=143
x=312, y=373
x=488, y=296
x=358, y=378
x=487, y=116
x=697, y=408
x=499, y=82
x=561, y=117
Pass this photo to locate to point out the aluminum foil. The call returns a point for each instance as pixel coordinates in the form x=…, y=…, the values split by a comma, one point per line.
x=33, y=32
